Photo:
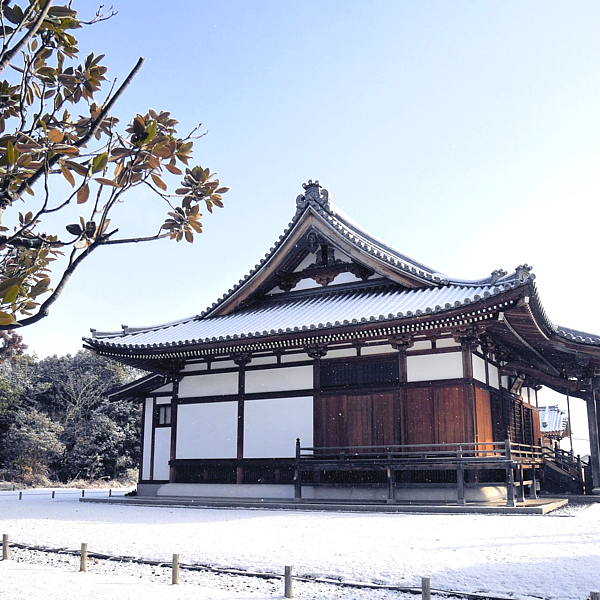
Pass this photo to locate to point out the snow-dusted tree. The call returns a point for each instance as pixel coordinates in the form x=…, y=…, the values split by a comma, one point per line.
x=30, y=446
x=52, y=125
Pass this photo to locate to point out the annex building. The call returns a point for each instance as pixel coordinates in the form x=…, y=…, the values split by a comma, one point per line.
x=342, y=368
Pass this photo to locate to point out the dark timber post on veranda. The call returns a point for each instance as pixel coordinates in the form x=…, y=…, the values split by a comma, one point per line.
x=592, y=414
x=510, y=481
x=297, y=473
x=460, y=477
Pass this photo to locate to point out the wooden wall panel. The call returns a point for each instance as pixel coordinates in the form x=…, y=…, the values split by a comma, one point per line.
x=484, y=431
x=419, y=416
x=537, y=434
x=452, y=420
x=330, y=416
x=386, y=423
x=359, y=420
x=356, y=420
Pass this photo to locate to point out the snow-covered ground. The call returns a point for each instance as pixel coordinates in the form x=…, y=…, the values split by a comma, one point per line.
x=550, y=557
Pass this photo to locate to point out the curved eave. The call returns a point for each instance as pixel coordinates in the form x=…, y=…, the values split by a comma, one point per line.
x=483, y=309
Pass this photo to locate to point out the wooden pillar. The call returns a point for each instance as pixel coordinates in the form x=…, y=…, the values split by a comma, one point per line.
x=402, y=343
x=173, y=454
x=467, y=339
x=533, y=490
x=592, y=413
x=460, y=478
x=510, y=481
x=521, y=484
x=298, y=473
x=467, y=358
x=153, y=438
x=144, y=434
x=241, y=360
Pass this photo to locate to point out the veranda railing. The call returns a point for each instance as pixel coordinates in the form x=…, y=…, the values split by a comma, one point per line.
x=508, y=456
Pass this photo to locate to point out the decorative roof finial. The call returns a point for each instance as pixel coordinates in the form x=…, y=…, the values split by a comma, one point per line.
x=524, y=272
x=313, y=193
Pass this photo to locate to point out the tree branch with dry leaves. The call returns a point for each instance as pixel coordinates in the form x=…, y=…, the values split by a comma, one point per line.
x=41, y=140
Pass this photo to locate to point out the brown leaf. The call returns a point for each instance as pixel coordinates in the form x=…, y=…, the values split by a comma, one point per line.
x=159, y=182
x=64, y=149
x=173, y=169
x=55, y=136
x=68, y=175
x=104, y=181
x=83, y=193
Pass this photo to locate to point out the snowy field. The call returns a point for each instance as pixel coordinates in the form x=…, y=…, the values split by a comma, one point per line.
x=550, y=557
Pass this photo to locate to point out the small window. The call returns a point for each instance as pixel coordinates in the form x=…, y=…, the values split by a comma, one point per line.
x=356, y=373
x=164, y=415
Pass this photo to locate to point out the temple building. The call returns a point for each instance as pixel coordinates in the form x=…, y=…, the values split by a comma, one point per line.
x=341, y=368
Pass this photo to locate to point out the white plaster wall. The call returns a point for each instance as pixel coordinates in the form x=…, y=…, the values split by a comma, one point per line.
x=207, y=430
x=424, y=345
x=504, y=380
x=272, y=426
x=345, y=278
x=478, y=368
x=341, y=353
x=263, y=360
x=430, y=367
x=217, y=384
x=164, y=388
x=287, y=358
x=223, y=364
x=383, y=349
x=279, y=380
x=309, y=260
x=163, y=401
x=275, y=290
x=147, y=439
x=494, y=376
x=195, y=367
x=446, y=343
x=307, y=284
x=162, y=452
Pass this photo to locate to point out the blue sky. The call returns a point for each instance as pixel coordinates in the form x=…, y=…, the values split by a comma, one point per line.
x=466, y=134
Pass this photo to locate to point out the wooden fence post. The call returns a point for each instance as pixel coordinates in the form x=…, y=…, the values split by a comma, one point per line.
x=83, y=560
x=83, y=493
x=53, y=494
x=288, y=583
x=109, y=493
x=5, y=546
x=175, y=574
x=425, y=588
x=20, y=495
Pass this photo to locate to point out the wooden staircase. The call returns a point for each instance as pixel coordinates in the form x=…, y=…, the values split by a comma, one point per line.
x=561, y=472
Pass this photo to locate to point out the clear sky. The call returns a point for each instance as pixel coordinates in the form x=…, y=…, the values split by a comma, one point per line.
x=466, y=134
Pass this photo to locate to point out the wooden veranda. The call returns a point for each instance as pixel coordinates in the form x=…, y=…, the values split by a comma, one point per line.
x=513, y=460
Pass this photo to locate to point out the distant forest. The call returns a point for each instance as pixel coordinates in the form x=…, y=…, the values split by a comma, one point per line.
x=56, y=423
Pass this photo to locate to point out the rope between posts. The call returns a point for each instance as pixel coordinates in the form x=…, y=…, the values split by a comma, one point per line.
x=240, y=572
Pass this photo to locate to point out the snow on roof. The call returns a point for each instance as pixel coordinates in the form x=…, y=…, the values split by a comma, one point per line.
x=552, y=419
x=302, y=311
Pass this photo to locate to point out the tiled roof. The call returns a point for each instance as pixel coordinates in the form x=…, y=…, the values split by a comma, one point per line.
x=302, y=312
x=578, y=336
x=317, y=200
x=552, y=419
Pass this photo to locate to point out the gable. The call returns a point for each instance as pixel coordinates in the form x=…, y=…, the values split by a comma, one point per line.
x=323, y=247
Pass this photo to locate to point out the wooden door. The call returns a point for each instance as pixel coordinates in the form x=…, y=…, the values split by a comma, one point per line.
x=356, y=420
